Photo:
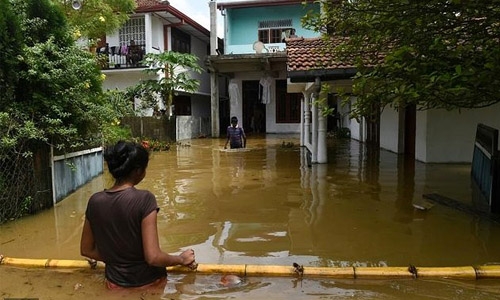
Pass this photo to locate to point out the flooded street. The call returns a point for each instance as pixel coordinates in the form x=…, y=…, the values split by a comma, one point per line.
x=264, y=205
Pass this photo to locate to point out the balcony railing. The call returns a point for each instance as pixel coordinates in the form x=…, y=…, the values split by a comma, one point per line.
x=124, y=56
x=250, y=48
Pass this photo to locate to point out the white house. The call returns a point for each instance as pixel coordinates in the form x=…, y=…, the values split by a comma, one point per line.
x=155, y=27
x=431, y=136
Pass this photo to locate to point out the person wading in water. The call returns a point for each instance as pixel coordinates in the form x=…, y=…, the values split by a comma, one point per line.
x=235, y=135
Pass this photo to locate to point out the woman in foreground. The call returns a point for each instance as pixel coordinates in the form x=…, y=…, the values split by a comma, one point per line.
x=120, y=224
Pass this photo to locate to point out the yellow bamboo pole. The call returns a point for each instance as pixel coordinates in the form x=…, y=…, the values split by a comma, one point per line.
x=46, y=263
x=265, y=270
x=211, y=268
x=448, y=272
x=340, y=272
x=487, y=272
x=382, y=272
x=65, y=263
x=24, y=262
x=459, y=272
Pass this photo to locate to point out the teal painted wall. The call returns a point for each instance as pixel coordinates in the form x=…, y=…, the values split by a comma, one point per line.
x=242, y=23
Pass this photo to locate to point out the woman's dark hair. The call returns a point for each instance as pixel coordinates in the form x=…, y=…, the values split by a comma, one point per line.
x=124, y=157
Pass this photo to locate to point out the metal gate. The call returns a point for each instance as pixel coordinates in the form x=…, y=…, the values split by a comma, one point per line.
x=485, y=171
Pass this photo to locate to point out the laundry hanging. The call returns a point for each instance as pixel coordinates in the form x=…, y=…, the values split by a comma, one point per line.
x=234, y=92
x=266, y=84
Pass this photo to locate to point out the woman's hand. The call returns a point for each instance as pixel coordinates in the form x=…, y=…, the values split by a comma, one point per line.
x=187, y=257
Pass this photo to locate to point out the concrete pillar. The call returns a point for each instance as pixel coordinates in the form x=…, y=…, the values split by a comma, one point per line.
x=322, y=125
x=148, y=24
x=322, y=151
x=214, y=97
x=307, y=119
x=213, y=27
x=214, y=77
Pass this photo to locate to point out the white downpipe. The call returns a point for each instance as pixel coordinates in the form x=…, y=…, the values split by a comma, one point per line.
x=314, y=158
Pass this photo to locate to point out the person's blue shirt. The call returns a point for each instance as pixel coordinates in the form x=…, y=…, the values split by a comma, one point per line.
x=236, y=137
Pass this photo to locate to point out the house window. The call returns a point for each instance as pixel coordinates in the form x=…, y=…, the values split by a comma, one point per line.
x=273, y=31
x=181, y=42
x=182, y=105
x=133, y=30
x=287, y=104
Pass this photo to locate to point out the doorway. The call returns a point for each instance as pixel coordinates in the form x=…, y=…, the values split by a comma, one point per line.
x=254, y=112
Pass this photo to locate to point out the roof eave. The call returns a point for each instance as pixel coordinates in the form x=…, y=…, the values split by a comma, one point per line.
x=176, y=13
x=323, y=74
x=244, y=4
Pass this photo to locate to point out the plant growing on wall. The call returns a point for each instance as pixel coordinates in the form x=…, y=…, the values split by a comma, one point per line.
x=175, y=75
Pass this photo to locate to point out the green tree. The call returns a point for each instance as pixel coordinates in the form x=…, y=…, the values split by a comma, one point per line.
x=436, y=53
x=118, y=105
x=96, y=18
x=42, y=20
x=59, y=84
x=11, y=43
x=57, y=95
x=175, y=70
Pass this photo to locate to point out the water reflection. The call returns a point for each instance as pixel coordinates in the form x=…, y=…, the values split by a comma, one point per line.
x=265, y=205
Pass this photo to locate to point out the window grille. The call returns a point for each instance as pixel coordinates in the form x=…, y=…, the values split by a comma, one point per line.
x=273, y=31
x=134, y=29
x=275, y=23
x=181, y=42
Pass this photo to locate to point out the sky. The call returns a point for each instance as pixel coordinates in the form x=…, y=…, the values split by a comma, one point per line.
x=199, y=11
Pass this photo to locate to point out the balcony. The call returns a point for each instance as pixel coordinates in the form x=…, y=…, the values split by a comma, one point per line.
x=250, y=48
x=121, y=57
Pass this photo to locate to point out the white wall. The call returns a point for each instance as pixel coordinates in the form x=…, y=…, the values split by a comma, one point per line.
x=421, y=136
x=123, y=78
x=451, y=134
x=157, y=38
x=199, y=48
x=441, y=136
x=357, y=129
x=389, y=129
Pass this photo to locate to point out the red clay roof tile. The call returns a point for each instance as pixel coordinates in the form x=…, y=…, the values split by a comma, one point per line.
x=305, y=54
x=147, y=3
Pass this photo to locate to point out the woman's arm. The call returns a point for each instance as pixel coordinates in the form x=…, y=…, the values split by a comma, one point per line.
x=88, y=247
x=153, y=254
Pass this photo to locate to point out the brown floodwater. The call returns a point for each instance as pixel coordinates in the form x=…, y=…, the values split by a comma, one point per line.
x=265, y=205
